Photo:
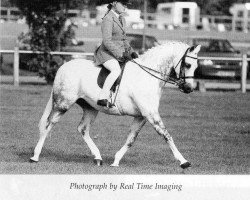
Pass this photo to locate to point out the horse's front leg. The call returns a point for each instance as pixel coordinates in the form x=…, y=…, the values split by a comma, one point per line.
x=134, y=130
x=155, y=119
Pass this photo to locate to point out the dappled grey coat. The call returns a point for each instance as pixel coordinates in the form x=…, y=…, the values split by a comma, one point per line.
x=114, y=40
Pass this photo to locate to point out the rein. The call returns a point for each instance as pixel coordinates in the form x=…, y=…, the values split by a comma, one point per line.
x=171, y=80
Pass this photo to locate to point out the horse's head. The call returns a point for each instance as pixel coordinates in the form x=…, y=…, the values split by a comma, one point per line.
x=185, y=69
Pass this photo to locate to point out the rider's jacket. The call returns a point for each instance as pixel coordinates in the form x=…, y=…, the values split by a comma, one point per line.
x=114, y=40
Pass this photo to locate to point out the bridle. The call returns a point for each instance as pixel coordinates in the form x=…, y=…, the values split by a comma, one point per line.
x=175, y=81
x=182, y=76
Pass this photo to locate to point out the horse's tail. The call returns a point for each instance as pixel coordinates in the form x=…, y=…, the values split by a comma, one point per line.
x=44, y=119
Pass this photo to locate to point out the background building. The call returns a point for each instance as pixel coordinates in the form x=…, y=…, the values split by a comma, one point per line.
x=177, y=14
x=241, y=17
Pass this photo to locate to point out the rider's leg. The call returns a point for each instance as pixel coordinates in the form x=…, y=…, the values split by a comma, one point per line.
x=114, y=67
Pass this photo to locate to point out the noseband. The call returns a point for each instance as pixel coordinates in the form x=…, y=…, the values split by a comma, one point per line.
x=175, y=81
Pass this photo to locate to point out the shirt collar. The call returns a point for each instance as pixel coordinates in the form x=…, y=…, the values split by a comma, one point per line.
x=117, y=15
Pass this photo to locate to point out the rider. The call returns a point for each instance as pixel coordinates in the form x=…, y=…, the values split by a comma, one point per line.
x=115, y=47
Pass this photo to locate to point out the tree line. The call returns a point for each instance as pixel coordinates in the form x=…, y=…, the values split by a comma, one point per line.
x=208, y=7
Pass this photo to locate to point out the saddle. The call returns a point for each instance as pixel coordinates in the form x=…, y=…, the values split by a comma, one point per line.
x=105, y=72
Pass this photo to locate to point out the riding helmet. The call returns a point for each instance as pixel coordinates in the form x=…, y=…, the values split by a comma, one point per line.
x=124, y=2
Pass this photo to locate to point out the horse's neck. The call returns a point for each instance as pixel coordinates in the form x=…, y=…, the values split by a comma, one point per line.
x=160, y=62
x=164, y=57
x=151, y=81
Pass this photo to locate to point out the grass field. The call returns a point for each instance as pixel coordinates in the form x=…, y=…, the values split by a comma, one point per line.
x=212, y=131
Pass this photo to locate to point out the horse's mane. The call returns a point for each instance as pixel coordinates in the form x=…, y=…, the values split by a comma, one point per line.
x=163, y=54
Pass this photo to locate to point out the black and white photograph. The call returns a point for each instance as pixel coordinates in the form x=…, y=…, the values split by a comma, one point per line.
x=124, y=99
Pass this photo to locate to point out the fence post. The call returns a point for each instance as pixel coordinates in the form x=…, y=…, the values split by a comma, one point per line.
x=16, y=66
x=244, y=73
x=201, y=86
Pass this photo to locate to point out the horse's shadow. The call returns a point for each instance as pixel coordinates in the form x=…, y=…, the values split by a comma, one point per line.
x=61, y=156
x=56, y=156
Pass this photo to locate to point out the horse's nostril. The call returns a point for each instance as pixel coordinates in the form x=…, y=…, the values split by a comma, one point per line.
x=186, y=88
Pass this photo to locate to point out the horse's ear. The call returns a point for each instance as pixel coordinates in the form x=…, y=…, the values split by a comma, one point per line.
x=195, y=49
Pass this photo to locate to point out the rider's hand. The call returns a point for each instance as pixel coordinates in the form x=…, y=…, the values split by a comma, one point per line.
x=134, y=55
x=126, y=56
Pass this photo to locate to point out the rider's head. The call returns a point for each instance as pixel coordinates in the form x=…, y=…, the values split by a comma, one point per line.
x=118, y=6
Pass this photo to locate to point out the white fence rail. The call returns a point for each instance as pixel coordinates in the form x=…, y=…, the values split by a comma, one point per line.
x=17, y=52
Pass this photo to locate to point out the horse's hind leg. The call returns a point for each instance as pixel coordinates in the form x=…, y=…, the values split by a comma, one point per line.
x=44, y=129
x=134, y=130
x=55, y=108
x=89, y=115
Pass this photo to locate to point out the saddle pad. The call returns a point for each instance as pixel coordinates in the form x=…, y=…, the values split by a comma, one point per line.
x=103, y=75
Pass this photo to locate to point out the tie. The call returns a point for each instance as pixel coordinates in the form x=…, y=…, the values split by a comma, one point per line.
x=120, y=19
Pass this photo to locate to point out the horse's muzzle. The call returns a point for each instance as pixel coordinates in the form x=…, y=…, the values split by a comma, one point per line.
x=186, y=88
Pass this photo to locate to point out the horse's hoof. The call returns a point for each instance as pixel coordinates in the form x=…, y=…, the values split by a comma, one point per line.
x=114, y=165
x=185, y=165
x=98, y=162
x=33, y=161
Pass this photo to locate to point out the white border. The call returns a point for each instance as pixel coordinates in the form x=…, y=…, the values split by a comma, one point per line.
x=57, y=187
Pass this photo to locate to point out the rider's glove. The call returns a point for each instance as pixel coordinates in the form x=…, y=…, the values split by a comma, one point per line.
x=126, y=56
x=134, y=55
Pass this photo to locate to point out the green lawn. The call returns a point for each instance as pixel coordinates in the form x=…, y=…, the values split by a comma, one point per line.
x=212, y=131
